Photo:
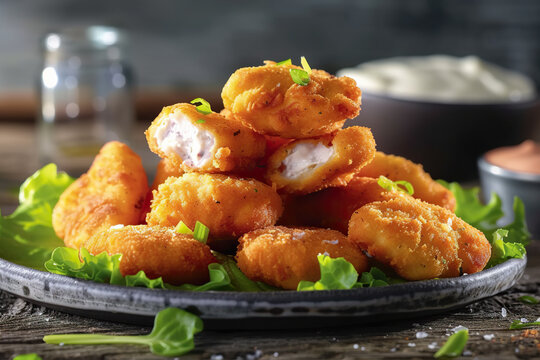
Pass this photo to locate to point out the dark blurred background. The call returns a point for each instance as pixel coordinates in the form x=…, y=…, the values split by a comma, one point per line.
x=181, y=49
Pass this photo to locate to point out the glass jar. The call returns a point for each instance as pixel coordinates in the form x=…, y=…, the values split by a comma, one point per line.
x=85, y=94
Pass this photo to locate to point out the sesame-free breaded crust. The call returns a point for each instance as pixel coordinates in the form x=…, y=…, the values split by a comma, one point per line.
x=333, y=207
x=266, y=99
x=283, y=257
x=398, y=168
x=165, y=169
x=353, y=147
x=228, y=206
x=158, y=251
x=111, y=192
x=235, y=147
x=419, y=240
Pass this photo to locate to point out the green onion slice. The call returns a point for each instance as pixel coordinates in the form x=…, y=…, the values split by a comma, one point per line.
x=201, y=232
x=204, y=107
x=301, y=77
x=284, y=62
x=454, y=346
x=182, y=228
x=390, y=185
x=305, y=65
x=200, y=121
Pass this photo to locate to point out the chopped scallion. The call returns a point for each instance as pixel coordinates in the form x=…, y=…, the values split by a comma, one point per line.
x=301, y=77
x=200, y=233
x=390, y=185
x=284, y=62
x=182, y=228
x=305, y=65
x=204, y=107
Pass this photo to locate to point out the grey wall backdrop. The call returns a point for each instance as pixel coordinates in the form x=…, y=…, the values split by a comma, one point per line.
x=187, y=43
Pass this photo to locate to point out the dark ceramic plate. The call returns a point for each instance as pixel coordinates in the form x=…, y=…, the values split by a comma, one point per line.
x=280, y=309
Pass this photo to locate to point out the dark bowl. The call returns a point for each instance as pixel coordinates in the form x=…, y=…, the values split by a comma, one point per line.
x=447, y=138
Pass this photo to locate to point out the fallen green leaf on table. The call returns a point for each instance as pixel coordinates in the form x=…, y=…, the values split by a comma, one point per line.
x=517, y=324
x=172, y=334
x=454, y=346
x=527, y=299
x=32, y=356
x=27, y=236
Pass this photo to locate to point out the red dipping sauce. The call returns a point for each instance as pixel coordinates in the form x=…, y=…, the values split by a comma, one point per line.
x=524, y=157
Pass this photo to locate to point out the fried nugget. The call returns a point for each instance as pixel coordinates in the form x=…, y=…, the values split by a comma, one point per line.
x=204, y=143
x=158, y=251
x=283, y=257
x=111, y=192
x=267, y=100
x=398, y=168
x=165, y=170
x=333, y=207
x=228, y=206
x=419, y=240
x=307, y=165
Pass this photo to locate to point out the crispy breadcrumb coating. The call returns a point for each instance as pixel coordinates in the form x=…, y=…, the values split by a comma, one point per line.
x=307, y=165
x=282, y=256
x=398, y=168
x=419, y=240
x=165, y=169
x=266, y=99
x=111, y=192
x=158, y=251
x=228, y=206
x=333, y=207
x=204, y=143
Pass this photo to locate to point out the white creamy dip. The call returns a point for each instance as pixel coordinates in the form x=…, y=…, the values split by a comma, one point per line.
x=305, y=158
x=442, y=78
x=178, y=135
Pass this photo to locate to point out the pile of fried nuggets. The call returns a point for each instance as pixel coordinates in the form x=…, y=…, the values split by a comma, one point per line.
x=277, y=154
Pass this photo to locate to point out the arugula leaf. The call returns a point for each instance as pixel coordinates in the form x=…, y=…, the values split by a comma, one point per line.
x=172, y=334
x=27, y=236
x=390, y=185
x=517, y=324
x=528, y=299
x=506, y=244
x=105, y=268
x=335, y=274
x=32, y=356
x=454, y=346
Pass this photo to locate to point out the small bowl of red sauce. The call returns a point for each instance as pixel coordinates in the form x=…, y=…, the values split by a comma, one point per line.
x=514, y=171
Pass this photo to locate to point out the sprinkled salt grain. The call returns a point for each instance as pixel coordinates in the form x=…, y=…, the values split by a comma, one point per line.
x=393, y=350
x=216, y=357
x=355, y=346
x=467, y=353
x=411, y=344
x=504, y=312
x=538, y=320
x=276, y=354
x=416, y=325
x=119, y=226
x=257, y=354
x=449, y=222
x=516, y=350
x=362, y=348
x=421, y=335
x=332, y=242
x=61, y=344
x=432, y=345
x=47, y=319
x=459, y=328
x=489, y=337
x=523, y=320
x=298, y=235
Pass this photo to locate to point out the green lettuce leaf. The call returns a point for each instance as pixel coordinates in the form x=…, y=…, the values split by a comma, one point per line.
x=508, y=241
x=27, y=236
x=239, y=281
x=104, y=268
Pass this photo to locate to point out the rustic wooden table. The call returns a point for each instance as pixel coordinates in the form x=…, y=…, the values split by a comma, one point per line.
x=23, y=325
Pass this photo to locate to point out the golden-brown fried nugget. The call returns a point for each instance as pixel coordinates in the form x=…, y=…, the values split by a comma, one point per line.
x=266, y=99
x=333, y=207
x=228, y=206
x=156, y=250
x=398, y=168
x=283, y=257
x=203, y=143
x=111, y=192
x=307, y=165
x=165, y=170
x=419, y=240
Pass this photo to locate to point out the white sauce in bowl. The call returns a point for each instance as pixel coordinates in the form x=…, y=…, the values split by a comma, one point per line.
x=442, y=78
